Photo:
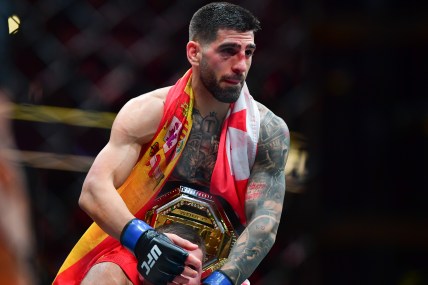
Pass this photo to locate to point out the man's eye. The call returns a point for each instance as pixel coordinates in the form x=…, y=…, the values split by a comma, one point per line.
x=228, y=51
x=249, y=53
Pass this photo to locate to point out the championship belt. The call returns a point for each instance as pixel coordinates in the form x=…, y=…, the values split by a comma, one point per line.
x=204, y=213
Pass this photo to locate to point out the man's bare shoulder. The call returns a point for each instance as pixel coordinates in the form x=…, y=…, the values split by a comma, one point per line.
x=155, y=96
x=274, y=142
x=268, y=118
x=141, y=115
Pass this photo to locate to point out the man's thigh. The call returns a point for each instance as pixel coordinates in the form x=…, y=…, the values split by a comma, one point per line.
x=107, y=273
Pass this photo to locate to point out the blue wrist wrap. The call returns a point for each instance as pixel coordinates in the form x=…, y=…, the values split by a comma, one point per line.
x=218, y=278
x=132, y=232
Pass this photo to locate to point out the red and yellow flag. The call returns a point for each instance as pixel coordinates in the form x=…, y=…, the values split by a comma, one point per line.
x=158, y=159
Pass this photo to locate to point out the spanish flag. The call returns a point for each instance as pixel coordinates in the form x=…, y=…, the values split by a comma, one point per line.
x=158, y=159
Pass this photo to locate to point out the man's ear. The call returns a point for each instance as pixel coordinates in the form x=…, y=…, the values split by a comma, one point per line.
x=193, y=50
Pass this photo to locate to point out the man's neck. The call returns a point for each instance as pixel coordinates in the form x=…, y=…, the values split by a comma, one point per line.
x=205, y=101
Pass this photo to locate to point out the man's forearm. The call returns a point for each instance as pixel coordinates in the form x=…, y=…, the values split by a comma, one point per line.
x=107, y=209
x=251, y=247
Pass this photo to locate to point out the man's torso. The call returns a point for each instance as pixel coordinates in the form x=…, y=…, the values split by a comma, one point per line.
x=200, y=153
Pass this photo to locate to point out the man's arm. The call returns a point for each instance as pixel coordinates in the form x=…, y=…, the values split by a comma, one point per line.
x=134, y=125
x=264, y=200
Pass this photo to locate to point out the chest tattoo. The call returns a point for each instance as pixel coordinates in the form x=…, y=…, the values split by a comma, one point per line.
x=199, y=156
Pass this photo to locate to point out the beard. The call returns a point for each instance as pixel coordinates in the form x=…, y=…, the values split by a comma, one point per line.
x=228, y=94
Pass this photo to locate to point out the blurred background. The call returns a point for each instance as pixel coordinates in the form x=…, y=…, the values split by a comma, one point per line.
x=350, y=78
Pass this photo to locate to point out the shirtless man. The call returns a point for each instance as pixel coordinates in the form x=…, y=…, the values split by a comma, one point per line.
x=220, y=50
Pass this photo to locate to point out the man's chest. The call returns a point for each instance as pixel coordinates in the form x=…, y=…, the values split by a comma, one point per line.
x=197, y=161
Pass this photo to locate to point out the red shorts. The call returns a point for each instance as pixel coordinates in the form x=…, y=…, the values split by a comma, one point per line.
x=126, y=260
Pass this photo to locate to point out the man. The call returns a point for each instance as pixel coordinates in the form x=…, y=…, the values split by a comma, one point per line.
x=112, y=273
x=206, y=131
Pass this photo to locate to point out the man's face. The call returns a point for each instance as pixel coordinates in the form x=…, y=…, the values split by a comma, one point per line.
x=225, y=64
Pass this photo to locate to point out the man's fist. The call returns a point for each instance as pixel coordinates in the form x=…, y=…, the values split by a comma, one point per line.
x=159, y=260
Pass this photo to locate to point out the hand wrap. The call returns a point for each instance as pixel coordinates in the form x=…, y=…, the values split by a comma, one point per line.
x=159, y=260
x=217, y=278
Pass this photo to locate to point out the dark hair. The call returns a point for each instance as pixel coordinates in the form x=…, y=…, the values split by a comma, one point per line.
x=186, y=232
x=212, y=17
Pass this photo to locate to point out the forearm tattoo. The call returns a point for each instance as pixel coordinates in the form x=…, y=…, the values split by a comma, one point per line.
x=264, y=200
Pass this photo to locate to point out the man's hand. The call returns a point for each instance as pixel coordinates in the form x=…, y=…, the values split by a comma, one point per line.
x=217, y=278
x=159, y=259
x=193, y=265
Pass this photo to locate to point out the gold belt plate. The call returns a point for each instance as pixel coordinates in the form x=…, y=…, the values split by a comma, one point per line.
x=204, y=213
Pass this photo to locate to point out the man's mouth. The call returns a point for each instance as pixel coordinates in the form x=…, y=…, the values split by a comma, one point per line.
x=233, y=81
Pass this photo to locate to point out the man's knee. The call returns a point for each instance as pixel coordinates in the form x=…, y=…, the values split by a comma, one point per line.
x=107, y=273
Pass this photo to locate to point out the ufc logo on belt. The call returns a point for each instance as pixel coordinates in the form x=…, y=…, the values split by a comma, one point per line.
x=152, y=256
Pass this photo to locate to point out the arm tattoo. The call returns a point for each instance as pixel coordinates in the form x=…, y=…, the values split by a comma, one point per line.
x=264, y=200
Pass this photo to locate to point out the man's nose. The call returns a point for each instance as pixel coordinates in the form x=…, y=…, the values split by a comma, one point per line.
x=240, y=64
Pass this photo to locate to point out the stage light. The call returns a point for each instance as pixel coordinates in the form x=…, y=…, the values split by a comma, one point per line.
x=14, y=22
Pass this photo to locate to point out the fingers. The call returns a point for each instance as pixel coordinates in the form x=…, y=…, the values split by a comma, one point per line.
x=193, y=265
x=180, y=280
x=181, y=242
x=192, y=261
x=187, y=275
x=189, y=272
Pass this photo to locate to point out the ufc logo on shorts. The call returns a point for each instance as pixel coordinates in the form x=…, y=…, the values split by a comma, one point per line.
x=152, y=256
